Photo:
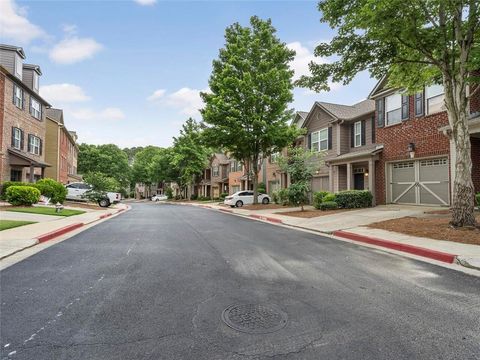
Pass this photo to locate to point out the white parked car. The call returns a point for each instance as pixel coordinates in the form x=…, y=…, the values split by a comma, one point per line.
x=159, y=197
x=77, y=190
x=241, y=198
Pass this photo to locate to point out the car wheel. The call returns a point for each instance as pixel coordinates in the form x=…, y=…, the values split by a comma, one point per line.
x=239, y=203
x=104, y=203
x=265, y=201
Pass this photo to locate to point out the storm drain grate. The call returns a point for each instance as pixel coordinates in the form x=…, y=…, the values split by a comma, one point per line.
x=255, y=318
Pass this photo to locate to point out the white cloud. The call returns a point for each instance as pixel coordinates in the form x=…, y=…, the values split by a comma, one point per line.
x=74, y=49
x=14, y=24
x=186, y=100
x=145, y=2
x=63, y=93
x=157, y=94
x=303, y=57
x=109, y=113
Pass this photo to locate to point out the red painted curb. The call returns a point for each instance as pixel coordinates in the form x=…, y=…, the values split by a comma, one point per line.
x=416, y=250
x=266, y=218
x=226, y=210
x=104, y=216
x=205, y=206
x=58, y=232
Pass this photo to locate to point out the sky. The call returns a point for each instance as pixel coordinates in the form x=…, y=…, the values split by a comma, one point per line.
x=130, y=72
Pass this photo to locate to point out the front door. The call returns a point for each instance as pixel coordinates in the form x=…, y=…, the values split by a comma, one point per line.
x=358, y=181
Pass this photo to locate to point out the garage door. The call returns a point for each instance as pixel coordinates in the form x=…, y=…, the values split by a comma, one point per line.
x=420, y=182
x=320, y=183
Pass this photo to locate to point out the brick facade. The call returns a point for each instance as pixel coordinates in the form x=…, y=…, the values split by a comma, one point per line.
x=476, y=163
x=20, y=118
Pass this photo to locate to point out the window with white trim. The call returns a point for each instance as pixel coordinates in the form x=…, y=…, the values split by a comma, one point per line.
x=18, y=96
x=35, y=81
x=18, y=66
x=393, y=109
x=17, y=138
x=357, y=134
x=215, y=171
x=34, y=145
x=35, y=109
x=320, y=140
x=434, y=99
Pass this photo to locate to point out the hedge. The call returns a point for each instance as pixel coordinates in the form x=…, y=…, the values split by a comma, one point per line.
x=55, y=191
x=328, y=205
x=281, y=197
x=352, y=199
x=22, y=195
x=318, y=198
x=7, y=184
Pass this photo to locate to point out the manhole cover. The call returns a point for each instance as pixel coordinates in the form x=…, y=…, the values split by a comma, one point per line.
x=255, y=318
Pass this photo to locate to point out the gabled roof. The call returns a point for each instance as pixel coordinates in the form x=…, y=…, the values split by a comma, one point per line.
x=299, y=118
x=346, y=112
x=55, y=115
x=33, y=67
x=23, y=86
x=17, y=49
x=222, y=158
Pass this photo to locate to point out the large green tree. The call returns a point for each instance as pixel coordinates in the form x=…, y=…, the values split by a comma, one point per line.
x=108, y=159
x=246, y=111
x=415, y=43
x=143, y=169
x=189, y=155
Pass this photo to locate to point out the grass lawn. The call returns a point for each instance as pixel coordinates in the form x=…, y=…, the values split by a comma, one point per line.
x=10, y=224
x=45, y=211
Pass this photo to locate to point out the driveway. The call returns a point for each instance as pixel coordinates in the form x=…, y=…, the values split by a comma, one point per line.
x=178, y=282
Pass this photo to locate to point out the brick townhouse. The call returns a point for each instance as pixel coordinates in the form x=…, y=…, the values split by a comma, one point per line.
x=22, y=116
x=416, y=165
x=61, y=149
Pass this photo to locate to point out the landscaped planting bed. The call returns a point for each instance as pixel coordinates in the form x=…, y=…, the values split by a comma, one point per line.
x=307, y=214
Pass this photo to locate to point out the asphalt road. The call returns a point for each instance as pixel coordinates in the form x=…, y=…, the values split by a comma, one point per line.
x=153, y=284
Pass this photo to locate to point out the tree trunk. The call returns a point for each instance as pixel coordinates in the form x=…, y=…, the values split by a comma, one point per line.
x=463, y=196
x=255, y=180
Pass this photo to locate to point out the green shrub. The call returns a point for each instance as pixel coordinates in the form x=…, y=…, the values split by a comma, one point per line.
x=478, y=199
x=330, y=197
x=203, y=198
x=178, y=197
x=261, y=188
x=7, y=184
x=52, y=189
x=193, y=197
x=328, y=205
x=298, y=194
x=223, y=196
x=352, y=199
x=283, y=197
x=275, y=197
x=169, y=192
x=22, y=195
x=318, y=198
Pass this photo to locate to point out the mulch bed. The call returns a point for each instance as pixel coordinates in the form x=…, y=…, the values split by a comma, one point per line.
x=437, y=228
x=307, y=214
x=262, y=207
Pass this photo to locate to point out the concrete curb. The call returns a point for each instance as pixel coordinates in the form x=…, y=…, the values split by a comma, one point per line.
x=266, y=218
x=411, y=249
x=58, y=232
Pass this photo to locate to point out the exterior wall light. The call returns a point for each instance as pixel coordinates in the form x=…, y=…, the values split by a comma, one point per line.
x=411, y=150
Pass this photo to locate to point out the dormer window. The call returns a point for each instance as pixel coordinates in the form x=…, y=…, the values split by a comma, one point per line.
x=18, y=66
x=434, y=99
x=393, y=109
x=35, y=109
x=35, y=81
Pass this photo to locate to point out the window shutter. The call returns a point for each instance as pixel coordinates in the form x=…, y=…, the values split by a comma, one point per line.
x=13, y=97
x=330, y=138
x=405, y=107
x=21, y=140
x=352, y=135
x=23, y=100
x=13, y=136
x=29, y=145
x=30, y=108
x=41, y=147
x=309, y=141
x=381, y=112
x=419, y=104
x=363, y=134
x=373, y=130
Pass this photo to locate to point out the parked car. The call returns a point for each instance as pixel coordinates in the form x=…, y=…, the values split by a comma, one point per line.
x=76, y=191
x=241, y=198
x=159, y=197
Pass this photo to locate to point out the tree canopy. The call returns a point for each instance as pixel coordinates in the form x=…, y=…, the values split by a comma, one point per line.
x=415, y=44
x=246, y=110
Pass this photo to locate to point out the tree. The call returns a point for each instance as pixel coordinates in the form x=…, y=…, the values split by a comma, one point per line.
x=106, y=159
x=415, y=43
x=189, y=154
x=246, y=111
x=300, y=164
x=131, y=152
x=143, y=165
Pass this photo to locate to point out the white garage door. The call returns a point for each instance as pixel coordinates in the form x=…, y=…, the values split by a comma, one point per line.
x=420, y=182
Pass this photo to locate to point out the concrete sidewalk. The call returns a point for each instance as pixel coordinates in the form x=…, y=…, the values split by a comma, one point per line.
x=22, y=237
x=351, y=225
